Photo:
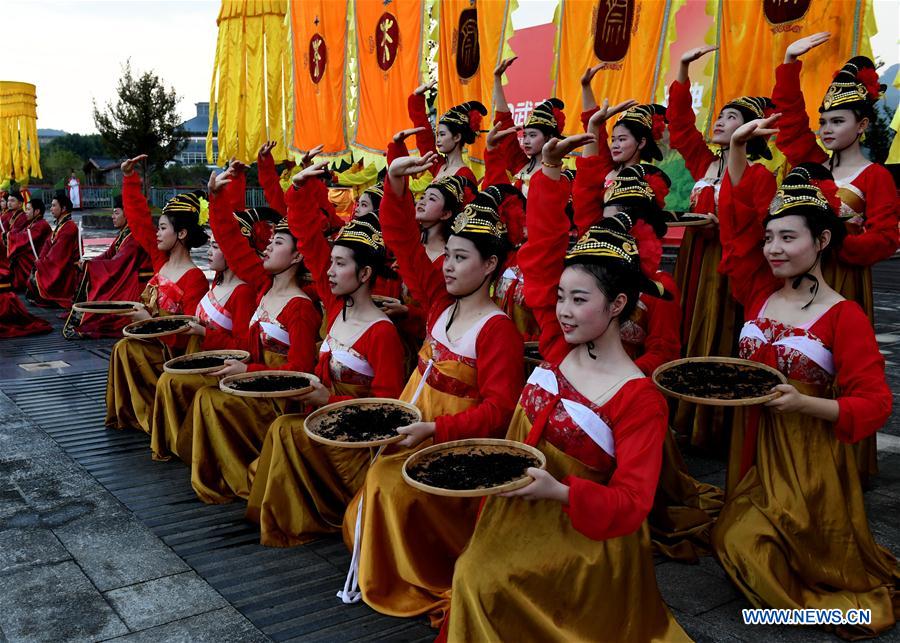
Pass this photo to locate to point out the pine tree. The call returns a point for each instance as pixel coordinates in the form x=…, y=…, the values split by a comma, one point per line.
x=878, y=138
x=143, y=120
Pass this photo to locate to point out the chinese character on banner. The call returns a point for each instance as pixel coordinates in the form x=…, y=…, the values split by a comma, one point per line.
x=520, y=111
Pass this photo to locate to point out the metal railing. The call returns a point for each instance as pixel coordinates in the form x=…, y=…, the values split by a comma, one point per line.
x=101, y=196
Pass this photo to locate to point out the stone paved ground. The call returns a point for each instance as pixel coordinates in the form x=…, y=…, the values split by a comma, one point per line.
x=78, y=565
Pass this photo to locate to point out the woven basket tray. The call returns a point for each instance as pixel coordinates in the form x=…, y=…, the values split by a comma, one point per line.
x=315, y=420
x=714, y=401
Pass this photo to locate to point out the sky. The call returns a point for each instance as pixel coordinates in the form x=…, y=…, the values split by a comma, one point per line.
x=81, y=46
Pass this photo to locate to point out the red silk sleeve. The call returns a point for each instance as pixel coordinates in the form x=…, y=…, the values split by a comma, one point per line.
x=495, y=170
x=241, y=305
x=424, y=281
x=499, y=365
x=618, y=508
x=236, y=191
x=194, y=285
x=396, y=150
x=268, y=180
x=140, y=221
x=795, y=140
x=467, y=173
x=683, y=133
x=240, y=257
x=880, y=237
x=541, y=260
x=864, y=400
x=742, y=208
x=588, y=191
x=381, y=347
x=302, y=320
x=663, y=342
x=586, y=117
x=40, y=232
x=416, y=107
x=513, y=155
x=305, y=221
x=56, y=264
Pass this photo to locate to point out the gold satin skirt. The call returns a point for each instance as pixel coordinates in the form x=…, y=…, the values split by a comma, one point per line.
x=528, y=575
x=855, y=283
x=172, y=423
x=711, y=324
x=134, y=369
x=684, y=509
x=794, y=533
x=228, y=434
x=301, y=488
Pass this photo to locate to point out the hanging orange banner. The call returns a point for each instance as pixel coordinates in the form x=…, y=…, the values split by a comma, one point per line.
x=318, y=39
x=753, y=36
x=472, y=38
x=631, y=37
x=389, y=57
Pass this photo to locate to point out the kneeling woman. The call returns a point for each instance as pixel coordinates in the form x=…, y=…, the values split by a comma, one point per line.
x=568, y=557
x=224, y=322
x=301, y=488
x=793, y=533
x=229, y=430
x=466, y=383
x=176, y=288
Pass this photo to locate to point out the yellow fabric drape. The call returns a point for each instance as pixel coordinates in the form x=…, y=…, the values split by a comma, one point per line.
x=389, y=52
x=319, y=39
x=468, y=53
x=251, y=89
x=20, y=154
x=630, y=36
x=747, y=33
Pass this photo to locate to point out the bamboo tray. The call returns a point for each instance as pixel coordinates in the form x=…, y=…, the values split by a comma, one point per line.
x=695, y=220
x=225, y=384
x=316, y=420
x=381, y=300
x=172, y=365
x=715, y=401
x=128, y=331
x=106, y=307
x=464, y=446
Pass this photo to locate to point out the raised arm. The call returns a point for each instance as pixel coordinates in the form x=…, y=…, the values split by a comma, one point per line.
x=241, y=258
x=305, y=220
x=268, y=178
x=137, y=213
x=397, y=216
x=416, y=107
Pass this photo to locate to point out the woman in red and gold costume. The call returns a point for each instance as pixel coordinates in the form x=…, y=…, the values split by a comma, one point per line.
x=228, y=431
x=684, y=509
x=175, y=289
x=458, y=127
x=466, y=382
x=24, y=244
x=120, y=273
x=793, y=533
x=301, y=489
x=577, y=535
x=224, y=322
x=53, y=281
x=869, y=204
x=711, y=318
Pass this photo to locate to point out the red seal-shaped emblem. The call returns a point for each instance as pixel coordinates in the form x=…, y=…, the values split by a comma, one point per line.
x=468, y=53
x=612, y=29
x=387, y=40
x=778, y=12
x=318, y=57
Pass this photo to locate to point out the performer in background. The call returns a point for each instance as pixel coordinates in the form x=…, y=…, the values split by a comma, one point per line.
x=120, y=273
x=55, y=276
x=24, y=244
x=73, y=191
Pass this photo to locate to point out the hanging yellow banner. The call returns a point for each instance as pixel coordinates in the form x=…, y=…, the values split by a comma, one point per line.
x=631, y=37
x=473, y=37
x=20, y=154
x=389, y=46
x=251, y=85
x=319, y=39
x=753, y=35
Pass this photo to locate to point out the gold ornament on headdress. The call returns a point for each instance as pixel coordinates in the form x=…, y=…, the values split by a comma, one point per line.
x=755, y=104
x=600, y=242
x=479, y=219
x=792, y=196
x=640, y=114
x=843, y=92
x=628, y=186
x=363, y=233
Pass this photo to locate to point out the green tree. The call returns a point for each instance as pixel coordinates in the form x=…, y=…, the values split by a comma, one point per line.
x=679, y=197
x=58, y=164
x=143, y=120
x=83, y=145
x=878, y=138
